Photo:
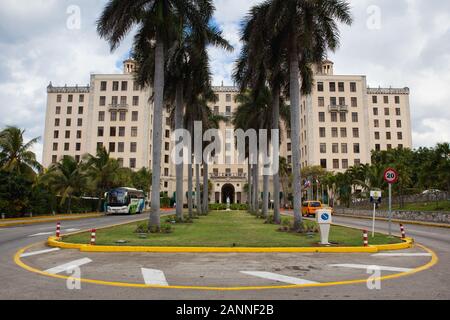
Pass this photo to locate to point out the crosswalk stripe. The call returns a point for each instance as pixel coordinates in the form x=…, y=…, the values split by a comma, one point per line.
x=278, y=277
x=29, y=254
x=368, y=266
x=68, y=266
x=154, y=277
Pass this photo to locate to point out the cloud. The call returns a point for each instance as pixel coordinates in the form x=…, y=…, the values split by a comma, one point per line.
x=411, y=48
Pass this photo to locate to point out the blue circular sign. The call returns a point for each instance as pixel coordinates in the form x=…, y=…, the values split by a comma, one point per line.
x=325, y=216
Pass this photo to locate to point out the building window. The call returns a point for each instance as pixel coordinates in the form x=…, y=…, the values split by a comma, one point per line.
x=101, y=116
x=398, y=112
x=323, y=148
x=342, y=101
x=386, y=99
x=121, y=131
x=78, y=147
x=386, y=111
x=99, y=145
x=399, y=135
x=332, y=86
x=335, y=163
x=135, y=86
x=323, y=163
x=335, y=148
x=103, y=85
x=55, y=147
x=341, y=87
x=114, y=100
x=334, y=132
x=388, y=123
x=397, y=100
x=343, y=132
x=333, y=101
x=356, y=148
x=344, y=163
x=321, y=116
x=322, y=132
x=133, y=147
x=112, y=131
x=321, y=102
x=134, y=116
x=133, y=163
x=102, y=102
x=377, y=135
x=54, y=159
x=66, y=146
x=167, y=134
x=69, y=110
x=134, y=131
x=389, y=146
x=115, y=86
x=399, y=123
x=352, y=86
x=113, y=115
x=228, y=98
x=334, y=117
x=70, y=98
x=79, y=122
x=354, y=101
x=357, y=162
x=80, y=110
x=344, y=148
x=55, y=134
x=343, y=117
x=135, y=101
x=59, y=98
x=79, y=134
x=354, y=116
x=320, y=86
x=166, y=159
x=375, y=111
x=124, y=85
x=355, y=132
x=58, y=110
x=376, y=123
x=123, y=101
x=121, y=147
x=374, y=99
x=377, y=147
x=388, y=136
x=167, y=146
x=100, y=131
x=289, y=147
x=112, y=147
x=67, y=134
x=68, y=122
x=122, y=116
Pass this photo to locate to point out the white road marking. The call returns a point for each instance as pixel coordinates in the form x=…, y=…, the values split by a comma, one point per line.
x=41, y=234
x=154, y=277
x=71, y=230
x=423, y=254
x=368, y=266
x=69, y=265
x=278, y=277
x=29, y=254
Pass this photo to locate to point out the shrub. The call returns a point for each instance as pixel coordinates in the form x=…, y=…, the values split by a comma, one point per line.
x=165, y=202
x=142, y=228
x=218, y=206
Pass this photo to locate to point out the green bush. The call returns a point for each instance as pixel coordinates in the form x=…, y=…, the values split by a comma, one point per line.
x=218, y=206
x=174, y=219
x=165, y=202
x=142, y=228
x=239, y=207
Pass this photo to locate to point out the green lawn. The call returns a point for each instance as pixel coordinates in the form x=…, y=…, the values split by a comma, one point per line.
x=422, y=206
x=226, y=229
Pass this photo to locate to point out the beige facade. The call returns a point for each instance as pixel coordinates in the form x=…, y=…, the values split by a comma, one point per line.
x=342, y=121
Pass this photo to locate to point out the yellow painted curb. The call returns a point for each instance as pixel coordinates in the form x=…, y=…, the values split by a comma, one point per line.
x=434, y=260
x=420, y=223
x=54, y=242
x=53, y=219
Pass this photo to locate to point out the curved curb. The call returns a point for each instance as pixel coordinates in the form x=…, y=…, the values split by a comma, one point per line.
x=53, y=219
x=434, y=260
x=54, y=242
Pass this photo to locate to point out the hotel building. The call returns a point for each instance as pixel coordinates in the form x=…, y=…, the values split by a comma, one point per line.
x=342, y=121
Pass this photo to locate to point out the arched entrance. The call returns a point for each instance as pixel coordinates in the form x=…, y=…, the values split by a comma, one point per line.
x=228, y=192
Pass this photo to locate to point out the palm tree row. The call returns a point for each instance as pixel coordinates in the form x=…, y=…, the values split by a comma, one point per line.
x=170, y=48
x=282, y=40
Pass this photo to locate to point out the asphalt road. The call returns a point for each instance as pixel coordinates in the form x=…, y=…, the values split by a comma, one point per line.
x=220, y=269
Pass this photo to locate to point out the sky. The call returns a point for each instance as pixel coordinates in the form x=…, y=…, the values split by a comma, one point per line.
x=401, y=43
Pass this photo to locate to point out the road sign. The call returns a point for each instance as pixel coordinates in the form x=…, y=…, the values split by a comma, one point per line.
x=390, y=175
x=375, y=196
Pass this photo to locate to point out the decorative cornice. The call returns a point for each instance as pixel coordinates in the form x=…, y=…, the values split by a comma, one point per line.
x=66, y=89
x=225, y=89
x=388, y=90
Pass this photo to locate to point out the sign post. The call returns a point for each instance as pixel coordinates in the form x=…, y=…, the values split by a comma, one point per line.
x=375, y=198
x=391, y=177
x=324, y=219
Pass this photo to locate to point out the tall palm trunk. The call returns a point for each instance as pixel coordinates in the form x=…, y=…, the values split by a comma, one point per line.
x=180, y=166
x=154, y=219
x=294, y=90
x=276, y=157
x=69, y=205
x=190, y=190
x=205, y=188
x=249, y=193
x=197, y=189
x=265, y=204
x=256, y=183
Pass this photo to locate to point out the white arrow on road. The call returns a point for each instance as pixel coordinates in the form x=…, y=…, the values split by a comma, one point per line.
x=68, y=266
x=41, y=234
x=71, y=230
x=368, y=266
x=34, y=253
x=154, y=277
x=278, y=277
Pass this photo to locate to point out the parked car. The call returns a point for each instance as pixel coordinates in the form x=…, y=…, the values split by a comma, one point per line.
x=431, y=191
x=310, y=208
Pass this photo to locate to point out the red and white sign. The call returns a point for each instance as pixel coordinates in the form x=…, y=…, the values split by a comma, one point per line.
x=390, y=176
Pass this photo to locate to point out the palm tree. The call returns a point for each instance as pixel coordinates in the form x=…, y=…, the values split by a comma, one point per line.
x=284, y=174
x=15, y=154
x=158, y=23
x=67, y=179
x=103, y=172
x=304, y=30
